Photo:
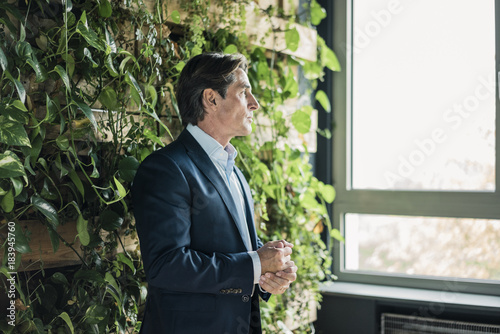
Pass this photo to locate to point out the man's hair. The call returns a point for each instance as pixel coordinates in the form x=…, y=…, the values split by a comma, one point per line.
x=208, y=70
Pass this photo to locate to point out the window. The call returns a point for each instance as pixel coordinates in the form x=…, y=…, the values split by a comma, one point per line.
x=415, y=166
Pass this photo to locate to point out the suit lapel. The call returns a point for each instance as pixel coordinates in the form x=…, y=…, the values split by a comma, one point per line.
x=206, y=166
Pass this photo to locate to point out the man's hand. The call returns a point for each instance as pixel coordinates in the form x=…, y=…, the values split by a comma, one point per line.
x=275, y=256
x=279, y=282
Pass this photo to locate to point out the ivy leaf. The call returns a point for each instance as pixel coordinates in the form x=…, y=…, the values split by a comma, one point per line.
x=41, y=73
x=322, y=98
x=16, y=111
x=64, y=316
x=7, y=202
x=327, y=192
x=89, y=34
x=87, y=111
x=96, y=314
x=318, y=13
x=83, y=233
x=110, y=220
x=136, y=91
x=13, y=133
x=292, y=39
x=46, y=209
x=128, y=167
x=10, y=165
x=110, y=67
x=19, y=86
x=301, y=121
x=88, y=54
x=77, y=182
x=230, y=49
x=328, y=58
x=18, y=186
x=54, y=238
x=121, y=257
x=64, y=76
x=105, y=8
x=22, y=245
x=108, y=98
x=3, y=60
x=176, y=17
x=110, y=42
x=121, y=190
x=70, y=63
x=52, y=110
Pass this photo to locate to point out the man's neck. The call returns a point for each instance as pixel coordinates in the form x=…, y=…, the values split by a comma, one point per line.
x=212, y=130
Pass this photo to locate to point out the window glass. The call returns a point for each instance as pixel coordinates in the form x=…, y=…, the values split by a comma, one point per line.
x=429, y=246
x=423, y=95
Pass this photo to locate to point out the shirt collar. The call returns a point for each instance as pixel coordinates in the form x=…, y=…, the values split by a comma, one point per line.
x=224, y=156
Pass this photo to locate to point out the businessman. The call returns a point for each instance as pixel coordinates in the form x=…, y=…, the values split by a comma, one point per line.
x=204, y=263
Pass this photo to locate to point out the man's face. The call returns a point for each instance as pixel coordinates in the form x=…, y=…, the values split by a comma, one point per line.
x=235, y=113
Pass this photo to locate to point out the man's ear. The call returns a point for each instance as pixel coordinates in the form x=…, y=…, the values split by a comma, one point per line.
x=209, y=99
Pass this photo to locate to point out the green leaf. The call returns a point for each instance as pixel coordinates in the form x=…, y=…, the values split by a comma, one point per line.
x=64, y=76
x=3, y=60
x=70, y=63
x=47, y=210
x=328, y=57
x=110, y=220
x=41, y=73
x=230, y=49
x=109, y=65
x=301, y=121
x=64, y=316
x=318, y=13
x=135, y=89
x=51, y=110
x=327, y=192
x=105, y=8
x=89, y=275
x=16, y=111
x=88, y=54
x=54, y=238
x=121, y=190
x=76, y=180
x=292, y=39
x=110, y=42
x=19, y=86
x=22, y=244
x=18, y=186
x=89, y=34
x=176, y=17
x=63, y=143
x=87, y=111
x=13, y=133
x=128, y=167
x=7, y=202
x=69, y=5
x=322, y=98
x=22, y=33
x=83, y=233
x=96, y=314
x=10, y=165
x=121, y=257
x=108, y=98
x=59, y=278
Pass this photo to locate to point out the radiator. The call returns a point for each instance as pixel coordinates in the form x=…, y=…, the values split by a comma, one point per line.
x=403, y=324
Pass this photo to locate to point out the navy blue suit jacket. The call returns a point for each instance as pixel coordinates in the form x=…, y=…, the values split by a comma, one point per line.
x=200, y=276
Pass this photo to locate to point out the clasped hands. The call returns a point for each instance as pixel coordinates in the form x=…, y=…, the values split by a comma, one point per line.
x=278, y=271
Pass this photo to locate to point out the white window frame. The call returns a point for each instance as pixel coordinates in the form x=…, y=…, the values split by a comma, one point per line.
x=470, y=204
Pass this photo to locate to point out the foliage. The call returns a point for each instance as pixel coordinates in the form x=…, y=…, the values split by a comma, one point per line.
x=85, y=95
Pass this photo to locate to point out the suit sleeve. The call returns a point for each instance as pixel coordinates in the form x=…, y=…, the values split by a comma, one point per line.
x=162, y=202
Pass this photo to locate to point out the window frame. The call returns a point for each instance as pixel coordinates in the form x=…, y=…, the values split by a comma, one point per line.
x=465, y=204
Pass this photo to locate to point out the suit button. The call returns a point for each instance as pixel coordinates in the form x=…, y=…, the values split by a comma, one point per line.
x=245, y=298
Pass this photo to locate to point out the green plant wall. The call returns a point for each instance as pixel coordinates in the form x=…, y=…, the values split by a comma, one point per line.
x=85, y=95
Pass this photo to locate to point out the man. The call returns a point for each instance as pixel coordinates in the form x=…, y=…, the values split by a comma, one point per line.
x=204, y=263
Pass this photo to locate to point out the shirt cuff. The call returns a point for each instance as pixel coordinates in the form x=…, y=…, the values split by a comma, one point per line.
x=256, y=266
